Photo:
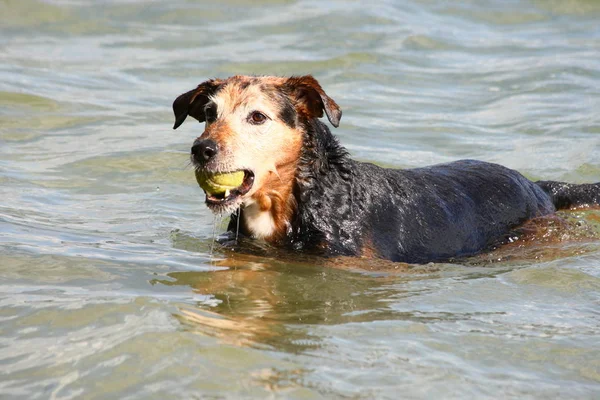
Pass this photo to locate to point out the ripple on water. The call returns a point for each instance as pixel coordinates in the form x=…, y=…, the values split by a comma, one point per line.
x=556, y=277
x=108, y=279
x=26, y=118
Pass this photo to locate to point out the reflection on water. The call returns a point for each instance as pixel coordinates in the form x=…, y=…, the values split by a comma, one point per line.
x=257, y=298
x=262, y=303
x=565, y=234
x=108, y=284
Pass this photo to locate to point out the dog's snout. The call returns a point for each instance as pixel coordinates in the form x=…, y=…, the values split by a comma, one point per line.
x=204, y=150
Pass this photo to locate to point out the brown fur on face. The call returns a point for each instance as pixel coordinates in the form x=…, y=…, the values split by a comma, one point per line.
x=270, y=150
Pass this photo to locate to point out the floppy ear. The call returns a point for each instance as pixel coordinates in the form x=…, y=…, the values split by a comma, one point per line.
x=193, y=102
x=311, y=99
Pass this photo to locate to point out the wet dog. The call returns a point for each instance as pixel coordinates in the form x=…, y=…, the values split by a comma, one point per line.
x=300, y=189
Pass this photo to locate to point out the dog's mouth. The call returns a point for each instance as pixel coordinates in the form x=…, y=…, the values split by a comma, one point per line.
x=224, y=188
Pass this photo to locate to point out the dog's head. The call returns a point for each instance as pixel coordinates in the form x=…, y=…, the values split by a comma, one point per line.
x=255, y=125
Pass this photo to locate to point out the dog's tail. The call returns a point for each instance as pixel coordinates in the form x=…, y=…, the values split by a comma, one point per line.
x=569, y=195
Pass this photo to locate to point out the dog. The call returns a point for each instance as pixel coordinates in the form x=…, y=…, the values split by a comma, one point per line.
x=301, y=190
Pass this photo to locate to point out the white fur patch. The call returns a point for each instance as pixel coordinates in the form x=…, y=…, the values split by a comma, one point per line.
x=259, y=223
x=220, y=103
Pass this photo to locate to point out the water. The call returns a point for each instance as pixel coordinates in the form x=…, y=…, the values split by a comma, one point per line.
x=108, y=289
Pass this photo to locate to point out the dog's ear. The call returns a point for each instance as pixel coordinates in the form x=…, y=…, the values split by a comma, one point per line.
x=311, y=99
x=193, y=102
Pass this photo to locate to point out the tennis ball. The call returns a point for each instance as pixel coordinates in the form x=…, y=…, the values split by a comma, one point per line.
x=218, y=183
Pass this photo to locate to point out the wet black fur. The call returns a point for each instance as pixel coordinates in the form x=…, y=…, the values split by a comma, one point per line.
x=419, y=215
x=567, y=195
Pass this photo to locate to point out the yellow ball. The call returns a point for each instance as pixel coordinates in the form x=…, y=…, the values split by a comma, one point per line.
x=218, y=183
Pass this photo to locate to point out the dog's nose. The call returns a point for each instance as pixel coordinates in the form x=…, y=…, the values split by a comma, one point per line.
x=204, y=150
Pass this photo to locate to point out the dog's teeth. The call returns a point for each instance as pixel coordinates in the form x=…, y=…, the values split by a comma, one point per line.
x=226, y=193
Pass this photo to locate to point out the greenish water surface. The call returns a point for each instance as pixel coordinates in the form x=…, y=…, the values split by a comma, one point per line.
x=108, y=289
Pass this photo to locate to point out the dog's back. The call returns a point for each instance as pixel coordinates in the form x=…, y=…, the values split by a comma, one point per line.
x=425, y=214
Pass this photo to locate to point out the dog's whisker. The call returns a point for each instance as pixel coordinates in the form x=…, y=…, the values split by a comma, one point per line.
x=214, y=235
x=189, y=164
x=237, y=232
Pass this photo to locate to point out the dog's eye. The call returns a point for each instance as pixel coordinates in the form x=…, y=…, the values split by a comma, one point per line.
x=210, y=113
x=257, y=118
